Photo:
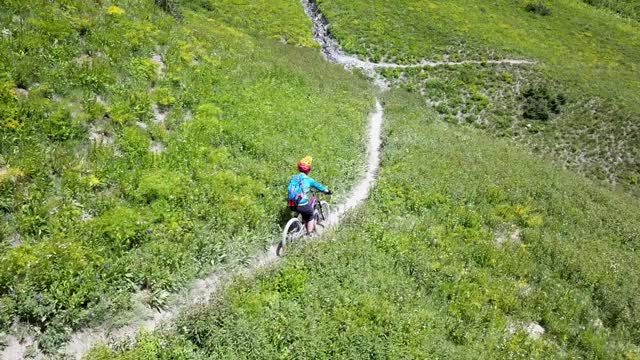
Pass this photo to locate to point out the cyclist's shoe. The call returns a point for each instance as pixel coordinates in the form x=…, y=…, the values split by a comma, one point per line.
x=313, y=235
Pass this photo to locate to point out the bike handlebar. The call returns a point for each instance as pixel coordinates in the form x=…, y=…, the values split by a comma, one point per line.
x=315, y=191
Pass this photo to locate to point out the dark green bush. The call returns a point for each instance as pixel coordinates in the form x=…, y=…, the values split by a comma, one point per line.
x=538, y=8
x=172, y=7
x=540, y=104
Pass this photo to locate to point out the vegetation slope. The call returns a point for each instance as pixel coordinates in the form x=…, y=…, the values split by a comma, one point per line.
x=579, y=104
x=465, y=242
x=629, y=8
x=140, y=148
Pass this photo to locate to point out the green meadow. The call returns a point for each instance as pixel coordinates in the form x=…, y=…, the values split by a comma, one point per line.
x=464, y=243
x=144, y=144
x=590, y=58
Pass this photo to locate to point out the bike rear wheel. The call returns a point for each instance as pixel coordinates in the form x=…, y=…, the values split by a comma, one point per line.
x=292, y=231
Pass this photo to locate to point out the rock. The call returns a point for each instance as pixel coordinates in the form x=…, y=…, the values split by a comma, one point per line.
x=85, y=216
x=157, y=59
x=22, y=92
x=534, y=330
x=142, y=125
x=99, y=136
x=157, y=148
x=15, y=240
x=597, y=324
x=83, y=59
x=516, y=235
x=511, y=235
x=100, y=100
x=159, y=115
x=188, y=116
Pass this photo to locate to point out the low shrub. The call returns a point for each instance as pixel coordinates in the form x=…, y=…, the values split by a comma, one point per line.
x=540, y=104
x=538, y=8
x=163, y=184
x=172, y=7
x=121, y=228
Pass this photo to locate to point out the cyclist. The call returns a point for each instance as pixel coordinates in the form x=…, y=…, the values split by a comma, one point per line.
x=298, y=189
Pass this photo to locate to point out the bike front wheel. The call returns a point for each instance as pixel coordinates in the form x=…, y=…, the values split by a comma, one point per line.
x=321, y=213
x=325, y=210
x=292, y=231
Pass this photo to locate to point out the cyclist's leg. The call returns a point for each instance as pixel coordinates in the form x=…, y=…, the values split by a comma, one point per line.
x=307, y=217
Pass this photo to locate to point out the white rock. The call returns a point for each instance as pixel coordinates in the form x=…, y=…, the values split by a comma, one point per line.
x=157, y=59
x=159, y=116
x=100, y=137
x=15, y=239
x=597, y=323
x=85, y=216
x=534, y=330
x=157, y=148
x=188, y=116
x=22, y=92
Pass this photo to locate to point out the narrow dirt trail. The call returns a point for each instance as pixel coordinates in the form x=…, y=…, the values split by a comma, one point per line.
x=334, y=53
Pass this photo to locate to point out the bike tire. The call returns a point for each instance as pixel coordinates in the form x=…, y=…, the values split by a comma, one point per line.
x=321, y=213
x=291, y=232
x=325, y=210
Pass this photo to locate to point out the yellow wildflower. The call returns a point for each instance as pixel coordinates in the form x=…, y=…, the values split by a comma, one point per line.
x=115, y=10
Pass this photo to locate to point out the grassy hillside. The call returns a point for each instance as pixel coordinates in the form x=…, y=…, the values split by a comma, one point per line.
x=587, y=58
x=137, y=151
x=629, y=8
x=465, y=241
x=278, y=20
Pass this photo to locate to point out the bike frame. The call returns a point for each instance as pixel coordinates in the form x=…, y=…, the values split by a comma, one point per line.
x=312, y=202
x=318, y=208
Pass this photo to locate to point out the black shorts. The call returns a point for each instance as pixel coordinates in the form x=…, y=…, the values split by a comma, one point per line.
x=305, y=210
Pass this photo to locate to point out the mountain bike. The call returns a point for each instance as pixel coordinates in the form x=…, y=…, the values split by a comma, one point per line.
x=295, y=228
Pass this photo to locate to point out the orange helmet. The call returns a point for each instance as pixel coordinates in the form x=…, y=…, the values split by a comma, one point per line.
x=304, y=165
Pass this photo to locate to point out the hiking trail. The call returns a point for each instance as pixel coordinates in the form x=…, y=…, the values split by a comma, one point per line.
x=334, y=53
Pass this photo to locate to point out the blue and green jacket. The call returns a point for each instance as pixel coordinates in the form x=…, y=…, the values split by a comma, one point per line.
x=308, y=183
